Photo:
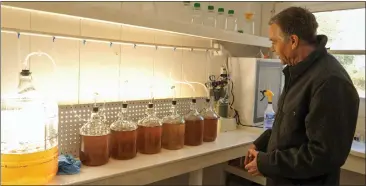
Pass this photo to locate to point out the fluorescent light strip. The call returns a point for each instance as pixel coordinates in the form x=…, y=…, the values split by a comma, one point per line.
x=98, y=40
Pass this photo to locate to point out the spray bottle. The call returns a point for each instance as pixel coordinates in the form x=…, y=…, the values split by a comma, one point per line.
x=269, y=114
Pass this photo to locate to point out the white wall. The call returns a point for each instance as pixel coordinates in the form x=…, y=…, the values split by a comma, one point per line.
x=83, y=69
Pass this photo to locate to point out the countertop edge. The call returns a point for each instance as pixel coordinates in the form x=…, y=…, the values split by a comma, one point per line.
x=238, y=138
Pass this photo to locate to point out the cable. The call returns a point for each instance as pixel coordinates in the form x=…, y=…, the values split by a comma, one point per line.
x=236, y=116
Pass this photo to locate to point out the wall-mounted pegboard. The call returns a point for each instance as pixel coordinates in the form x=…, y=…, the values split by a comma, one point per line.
x=73, y=117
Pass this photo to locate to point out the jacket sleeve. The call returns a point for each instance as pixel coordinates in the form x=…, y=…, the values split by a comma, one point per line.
x=330, y=126
x=262, y=141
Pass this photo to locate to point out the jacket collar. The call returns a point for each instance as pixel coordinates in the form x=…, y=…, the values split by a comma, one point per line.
x=302, y=66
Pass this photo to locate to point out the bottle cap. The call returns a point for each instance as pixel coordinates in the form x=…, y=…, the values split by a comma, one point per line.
x=174, y=102
x=95, y=109
x=210, y=7
x=197, y=5
x=193, y=100
x=231, y=12
x=221, y=10
x=150, y=105
x=25, y=73
x=124, y=105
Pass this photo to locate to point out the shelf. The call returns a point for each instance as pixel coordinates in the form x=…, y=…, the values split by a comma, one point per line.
x=242, y=173
x=117, y=17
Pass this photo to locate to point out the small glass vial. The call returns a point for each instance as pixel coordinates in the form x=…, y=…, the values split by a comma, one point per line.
x=210, y=122
x=210, y=19
x=95, y=140
x=173, y=130
x=149, y=132
x=220, y=18
x=194, y=126
x=231, y=24
x=197, y=14
x=123, y=136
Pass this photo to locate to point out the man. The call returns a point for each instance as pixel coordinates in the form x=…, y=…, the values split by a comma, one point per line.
x=317, y=111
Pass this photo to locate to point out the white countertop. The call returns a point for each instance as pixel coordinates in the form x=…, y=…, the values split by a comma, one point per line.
x=358, y=149
x=113, y=168
x=225, y=141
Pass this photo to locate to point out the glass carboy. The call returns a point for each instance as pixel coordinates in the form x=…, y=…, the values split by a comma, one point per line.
x=29, y=131
x=123, y=136
x=173, y=129
x=94, y=140
x=210, y=122
x=149, y=132
x=193, y=126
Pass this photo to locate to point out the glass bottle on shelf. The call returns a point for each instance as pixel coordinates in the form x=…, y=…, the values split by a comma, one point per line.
x=193, y=126
x=210, y=19
x=231, y=24
x=197, y=14
x=29, y=132
x=149, y=132
x=186, y=14
x=210, y=128
x=220, y=18
x=173, y=129
x=249, y=22
x=94, y=140
x=123, y=136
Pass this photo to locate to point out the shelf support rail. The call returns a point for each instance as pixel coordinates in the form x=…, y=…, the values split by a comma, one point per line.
x=85, y=39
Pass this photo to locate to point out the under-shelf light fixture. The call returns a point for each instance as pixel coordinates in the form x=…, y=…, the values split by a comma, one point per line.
x=100, y=40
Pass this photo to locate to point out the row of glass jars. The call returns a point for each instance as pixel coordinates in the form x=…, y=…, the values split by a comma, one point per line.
x=124, y=137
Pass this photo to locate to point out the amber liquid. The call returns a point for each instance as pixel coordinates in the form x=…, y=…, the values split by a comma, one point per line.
x=149, y=139
x=94, y=150
x=36, y=168
x=193, y=133
x=210, y=129
x=123, y=144
x=173, y=136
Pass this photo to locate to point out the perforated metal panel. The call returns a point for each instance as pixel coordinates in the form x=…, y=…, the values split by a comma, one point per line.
x=72, y=117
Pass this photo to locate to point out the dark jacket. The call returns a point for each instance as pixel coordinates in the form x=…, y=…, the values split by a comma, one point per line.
x=314, y=125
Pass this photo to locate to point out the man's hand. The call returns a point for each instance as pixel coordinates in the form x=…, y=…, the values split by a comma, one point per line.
x=252, y=166
x=248, y=158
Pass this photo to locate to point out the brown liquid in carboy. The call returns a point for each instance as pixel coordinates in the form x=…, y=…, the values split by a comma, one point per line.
x=123, y=144
x=210, y=129
x=194, y=132
x=173, y=136
x=149, y=139
x=94, y=150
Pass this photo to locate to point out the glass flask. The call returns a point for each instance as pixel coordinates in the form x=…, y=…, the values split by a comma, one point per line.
x=123, y=136
x=149, y=132
x=29, y=132
x=94, y=140
x=210, y=122
x=194, y=126
x=173, y=130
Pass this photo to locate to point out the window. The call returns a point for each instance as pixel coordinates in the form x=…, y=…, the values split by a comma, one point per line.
x=346, y=39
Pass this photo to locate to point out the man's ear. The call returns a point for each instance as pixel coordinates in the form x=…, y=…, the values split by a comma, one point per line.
x=294, y=41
